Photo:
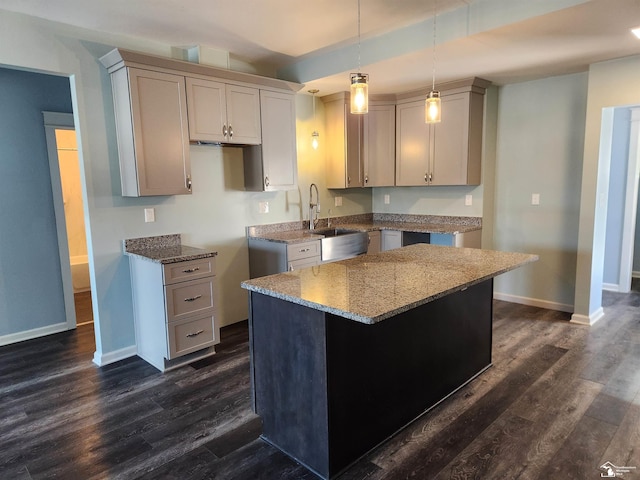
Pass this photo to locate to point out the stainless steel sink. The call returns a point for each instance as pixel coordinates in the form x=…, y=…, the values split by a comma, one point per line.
x=339, y=244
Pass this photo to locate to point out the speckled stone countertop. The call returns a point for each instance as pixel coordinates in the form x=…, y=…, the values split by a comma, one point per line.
x=164, y=249
x=372, y=288
x=296, y=232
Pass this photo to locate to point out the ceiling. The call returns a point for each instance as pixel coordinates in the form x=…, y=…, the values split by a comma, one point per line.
x=316, y=43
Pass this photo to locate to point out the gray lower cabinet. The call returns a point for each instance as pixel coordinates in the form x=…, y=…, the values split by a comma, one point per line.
x=390, y=239
x=174, y=311
x=267, y=257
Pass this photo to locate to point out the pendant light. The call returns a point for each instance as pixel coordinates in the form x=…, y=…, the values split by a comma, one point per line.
x=315, y=136
x=359, y=83
x=432, y=104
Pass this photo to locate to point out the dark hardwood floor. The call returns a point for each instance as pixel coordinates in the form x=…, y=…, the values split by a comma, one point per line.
x=559, y=401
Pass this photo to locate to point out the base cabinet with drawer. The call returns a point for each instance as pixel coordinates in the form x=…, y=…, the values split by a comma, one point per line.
x=174, y=311
x=267, y=257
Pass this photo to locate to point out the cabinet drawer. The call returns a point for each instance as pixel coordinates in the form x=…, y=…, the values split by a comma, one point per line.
x=187, y=336
x=303, y=250
x=303, y=263
x=181, y=271
x=190, y=298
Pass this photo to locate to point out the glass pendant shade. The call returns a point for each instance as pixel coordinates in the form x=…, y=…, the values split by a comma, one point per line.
x=432, y=107
x=359, y=93
x=314, y=139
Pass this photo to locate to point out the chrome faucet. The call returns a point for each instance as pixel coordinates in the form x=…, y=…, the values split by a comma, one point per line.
x=312, y=222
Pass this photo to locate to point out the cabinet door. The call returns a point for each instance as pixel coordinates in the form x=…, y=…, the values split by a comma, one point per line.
x=243, y=115
x=279, y=156
x=451, y=144
x=207, y=110
x=344, y=145
x=380, y=146
x=390, y=239
x=160, y=135
x=412, y=145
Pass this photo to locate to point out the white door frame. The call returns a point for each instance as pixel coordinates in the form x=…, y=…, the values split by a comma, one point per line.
x=53, y=121
x=631, y=203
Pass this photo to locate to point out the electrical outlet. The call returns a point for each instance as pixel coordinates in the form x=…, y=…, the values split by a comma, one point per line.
x=468, y=200
x=263, y=207
x=337, y=201
x=387, y=199
x=149, y=215
x=535, y=199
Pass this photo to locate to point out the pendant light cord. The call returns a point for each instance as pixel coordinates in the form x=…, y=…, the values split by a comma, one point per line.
x=435, y=12
x=358, y=36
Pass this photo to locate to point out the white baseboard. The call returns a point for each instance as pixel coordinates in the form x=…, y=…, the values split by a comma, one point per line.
x=587, y=319
x=34, y=333
x=533, y=302
x=105, y=359
x=611, y=287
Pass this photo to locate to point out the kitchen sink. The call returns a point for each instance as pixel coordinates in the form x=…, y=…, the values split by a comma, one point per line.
x=339, y=244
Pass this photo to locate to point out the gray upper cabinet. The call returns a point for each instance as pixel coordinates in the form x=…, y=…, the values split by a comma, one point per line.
x=274, y=165
x=448, y=153
x=153, y=138
x=379, y=145
x=223, y=113
x=360, y=148
x=162, y=104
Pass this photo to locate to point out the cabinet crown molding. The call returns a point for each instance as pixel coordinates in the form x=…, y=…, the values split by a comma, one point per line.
x=119, y=58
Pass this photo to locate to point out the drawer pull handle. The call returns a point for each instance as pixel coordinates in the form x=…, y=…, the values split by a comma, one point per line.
x=192, y=299
x=194, y=334
x=191, y=270
x=302, y=250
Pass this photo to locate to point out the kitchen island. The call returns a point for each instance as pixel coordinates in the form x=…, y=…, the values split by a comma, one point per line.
x=345, y=354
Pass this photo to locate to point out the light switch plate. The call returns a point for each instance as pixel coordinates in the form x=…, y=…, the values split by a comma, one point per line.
x=149, y=215
x=338, y=201
x=535, y=199
x=387, y=199
x=468, y=200
x=263, y=207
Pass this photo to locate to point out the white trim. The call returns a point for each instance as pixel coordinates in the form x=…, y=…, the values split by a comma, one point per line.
x=631, y=203
x=612, y=287
x=533, y=302
x=105, y=359
x=53, y=121
x=587, y=320
x=33, y=333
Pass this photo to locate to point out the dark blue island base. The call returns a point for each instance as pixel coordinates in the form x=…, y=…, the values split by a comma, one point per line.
x=330, y=389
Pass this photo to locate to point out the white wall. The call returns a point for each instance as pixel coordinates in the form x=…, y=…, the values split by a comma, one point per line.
x=540, y=150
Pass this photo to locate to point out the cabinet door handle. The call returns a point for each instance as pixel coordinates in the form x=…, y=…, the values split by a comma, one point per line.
x=230, y=131
x=192, y=299
x=430, y=177
x=266, y=181
x=189, y=182
x=366, y=179
x=426, y=178
x=224, y=130
x=291, y=268
x=191, y=270
x=348, y=180
x=195, y=334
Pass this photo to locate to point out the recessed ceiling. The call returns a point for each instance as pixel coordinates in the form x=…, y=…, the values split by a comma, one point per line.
x=315, y=43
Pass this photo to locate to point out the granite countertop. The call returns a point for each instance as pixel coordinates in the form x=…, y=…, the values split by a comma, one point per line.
x=296, y=232
x=164, y=249
x=372, y=288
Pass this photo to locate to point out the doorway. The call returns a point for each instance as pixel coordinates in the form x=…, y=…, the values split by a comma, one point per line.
x=64, y=164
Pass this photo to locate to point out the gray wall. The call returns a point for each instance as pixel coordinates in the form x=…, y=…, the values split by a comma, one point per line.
x=540, y=150
x=30, y=275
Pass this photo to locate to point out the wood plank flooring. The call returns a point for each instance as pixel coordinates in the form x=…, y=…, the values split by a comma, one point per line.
x=559, y=401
